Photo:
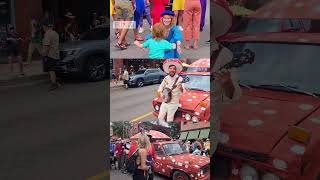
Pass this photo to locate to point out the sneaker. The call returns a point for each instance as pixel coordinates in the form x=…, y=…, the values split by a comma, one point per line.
x=141, y=30
x=180, y=28
x=164, y=124
x=53, y=86
x=208, y=42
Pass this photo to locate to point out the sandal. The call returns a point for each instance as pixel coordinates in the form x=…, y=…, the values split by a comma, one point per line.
x=121, y=46
x=139, y=39
x=117, y=33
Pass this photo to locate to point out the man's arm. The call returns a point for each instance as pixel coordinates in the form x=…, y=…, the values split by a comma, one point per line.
x=161, y=87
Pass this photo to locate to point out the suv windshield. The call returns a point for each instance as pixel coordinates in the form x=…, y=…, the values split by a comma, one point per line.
x=281, y=66
x=174, y=149
x=140, y=72
x=196, y=82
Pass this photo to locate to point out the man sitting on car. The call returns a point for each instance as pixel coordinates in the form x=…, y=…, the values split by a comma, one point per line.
x=172, y=67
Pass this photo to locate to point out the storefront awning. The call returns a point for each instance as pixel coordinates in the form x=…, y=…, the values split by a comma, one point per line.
x=183, y=135
x=193, y=134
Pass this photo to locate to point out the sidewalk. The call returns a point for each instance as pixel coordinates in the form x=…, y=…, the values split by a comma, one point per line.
x=33, y=73
x=119, y=84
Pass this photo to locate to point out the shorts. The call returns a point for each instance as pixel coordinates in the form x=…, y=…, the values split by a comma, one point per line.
x=14, y=51
x=49, y=64
x=124, y=9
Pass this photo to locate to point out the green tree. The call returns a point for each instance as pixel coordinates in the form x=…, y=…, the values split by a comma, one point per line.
x=121, y=129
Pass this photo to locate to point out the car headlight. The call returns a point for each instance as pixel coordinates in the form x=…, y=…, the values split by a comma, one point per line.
x=279, y=164
x=72, y=52
x=188, y=117
x=195, y=119
x=248, y=172
x=270, y=176
x=157, y=107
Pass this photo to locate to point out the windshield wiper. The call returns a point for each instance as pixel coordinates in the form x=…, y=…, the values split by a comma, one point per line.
x=288, y=88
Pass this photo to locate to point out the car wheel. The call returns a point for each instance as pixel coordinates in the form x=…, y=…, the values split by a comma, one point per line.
x=139, y=82
x=96, y=69
x=179, y=175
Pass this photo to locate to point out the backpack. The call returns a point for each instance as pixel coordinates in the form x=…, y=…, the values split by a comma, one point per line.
x=131, y=164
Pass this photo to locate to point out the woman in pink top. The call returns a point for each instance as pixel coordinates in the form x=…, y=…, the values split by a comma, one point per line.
x=158, y=6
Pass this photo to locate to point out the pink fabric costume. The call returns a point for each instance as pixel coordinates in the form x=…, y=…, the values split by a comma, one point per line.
x=158, y=6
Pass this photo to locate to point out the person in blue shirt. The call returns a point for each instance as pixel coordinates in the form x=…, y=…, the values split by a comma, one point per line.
x=157, y=45
x=173, y=34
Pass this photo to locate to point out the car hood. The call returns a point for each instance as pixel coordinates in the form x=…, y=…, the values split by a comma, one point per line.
x=191, y=99
x=260, y=120
x=197, y=161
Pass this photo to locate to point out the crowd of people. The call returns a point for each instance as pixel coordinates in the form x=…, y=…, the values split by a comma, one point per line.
x=121, y=151
x=170, y=27
x=198, y=147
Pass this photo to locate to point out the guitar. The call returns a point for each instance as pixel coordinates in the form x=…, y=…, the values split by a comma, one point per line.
x=167, y=92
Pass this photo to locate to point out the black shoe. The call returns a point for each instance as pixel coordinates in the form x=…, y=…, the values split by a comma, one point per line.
x=53, y=86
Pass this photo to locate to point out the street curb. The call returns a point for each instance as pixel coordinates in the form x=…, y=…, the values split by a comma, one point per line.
x=23, y=85
x=25, y=81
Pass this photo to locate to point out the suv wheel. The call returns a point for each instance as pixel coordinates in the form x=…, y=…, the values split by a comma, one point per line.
x=179, y=175
x=96, y=68
x=139, y=82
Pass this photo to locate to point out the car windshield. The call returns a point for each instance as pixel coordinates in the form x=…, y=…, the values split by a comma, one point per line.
x=198, y=69
x=271, y=25
x=174, y=149
x=281, y=66
x=197, y=82
x=140, y=72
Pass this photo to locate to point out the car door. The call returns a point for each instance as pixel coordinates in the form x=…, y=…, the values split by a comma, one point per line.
x=161, y=161
x=147, y=77
x=154, y=75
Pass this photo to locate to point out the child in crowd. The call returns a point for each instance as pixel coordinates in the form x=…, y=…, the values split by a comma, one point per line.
x=157, y=45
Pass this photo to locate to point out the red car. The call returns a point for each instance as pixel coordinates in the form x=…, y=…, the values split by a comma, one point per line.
x=274, y=131
x=195, y=101
x=172, y=160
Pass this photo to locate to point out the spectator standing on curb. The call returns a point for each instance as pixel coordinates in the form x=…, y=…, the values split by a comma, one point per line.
x=119, y=154
x=125, y=78
x=191, y=23
x=3, y=40
x=147, y=14
x=14, y=49
x=35, y=40
x=51, y=53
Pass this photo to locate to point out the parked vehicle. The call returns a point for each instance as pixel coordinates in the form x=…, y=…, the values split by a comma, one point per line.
x=273, y=132
x=87, y=56
x=175, y=162
x=146, y=76
x=195, y=101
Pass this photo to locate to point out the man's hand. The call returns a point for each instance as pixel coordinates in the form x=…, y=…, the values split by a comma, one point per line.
x=224, y=76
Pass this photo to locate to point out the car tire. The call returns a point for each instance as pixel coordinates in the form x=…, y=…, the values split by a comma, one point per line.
x=140, y=83
x=96, y=68
x=179, y=175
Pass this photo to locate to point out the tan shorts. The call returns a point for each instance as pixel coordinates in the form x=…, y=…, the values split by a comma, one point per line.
x=124, y=9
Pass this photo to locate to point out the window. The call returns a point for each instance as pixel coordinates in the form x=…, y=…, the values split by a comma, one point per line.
x=158, y=150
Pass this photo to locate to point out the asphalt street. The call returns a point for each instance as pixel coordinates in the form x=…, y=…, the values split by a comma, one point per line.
x=132, y=103
x=115, y=174
x=53, y=135
x=134, y=52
